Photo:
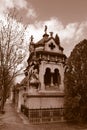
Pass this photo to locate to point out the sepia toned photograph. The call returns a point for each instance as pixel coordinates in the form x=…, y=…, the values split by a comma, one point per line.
x=43, y=65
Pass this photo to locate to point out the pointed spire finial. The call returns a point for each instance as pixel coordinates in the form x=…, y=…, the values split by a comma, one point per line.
x=57, y=40
x=45, y=29
x=31, y=38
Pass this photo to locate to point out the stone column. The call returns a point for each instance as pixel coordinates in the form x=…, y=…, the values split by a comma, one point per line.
x=52, y=80
x=61, y=71
x=41, y=76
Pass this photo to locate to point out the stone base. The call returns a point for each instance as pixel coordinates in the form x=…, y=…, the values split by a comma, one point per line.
x=37, y=116
x=45, y=106
x=45, y=100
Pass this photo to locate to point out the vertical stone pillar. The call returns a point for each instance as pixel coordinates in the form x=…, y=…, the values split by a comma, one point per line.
x=52, y=81
x=61, y=71
x=41, y=76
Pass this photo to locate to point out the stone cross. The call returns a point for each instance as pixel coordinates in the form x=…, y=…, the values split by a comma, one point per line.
x=52, y=46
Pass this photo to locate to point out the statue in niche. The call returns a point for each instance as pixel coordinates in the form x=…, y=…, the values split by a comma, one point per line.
x=45, y=30
x=34, y=76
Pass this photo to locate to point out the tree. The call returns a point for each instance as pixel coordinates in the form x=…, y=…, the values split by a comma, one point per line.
x=11, y=53
x=76, y=83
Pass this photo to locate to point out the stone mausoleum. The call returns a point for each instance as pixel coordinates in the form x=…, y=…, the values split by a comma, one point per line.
x=44, y=94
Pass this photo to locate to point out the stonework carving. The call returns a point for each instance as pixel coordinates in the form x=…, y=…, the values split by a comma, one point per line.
x=44, y=63
x=45, y=95
x=34, y=76
x=52, y=79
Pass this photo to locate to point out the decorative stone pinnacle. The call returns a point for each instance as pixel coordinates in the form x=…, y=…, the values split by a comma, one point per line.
x=31, y=38
x=51, y=34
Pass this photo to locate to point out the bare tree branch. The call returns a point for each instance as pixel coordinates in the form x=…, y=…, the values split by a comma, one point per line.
x=12, y=52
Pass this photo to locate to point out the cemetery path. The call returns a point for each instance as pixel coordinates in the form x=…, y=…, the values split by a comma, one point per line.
x=12, y=120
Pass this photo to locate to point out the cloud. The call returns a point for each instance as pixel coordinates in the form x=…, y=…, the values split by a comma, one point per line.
x=37, y=29
x=9, y=4
x=5, y=5
x=20, y=3
x=70, y=35
x=31, y=13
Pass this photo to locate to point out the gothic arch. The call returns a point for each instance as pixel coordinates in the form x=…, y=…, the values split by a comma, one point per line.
x=47, y=76
x=56, y=77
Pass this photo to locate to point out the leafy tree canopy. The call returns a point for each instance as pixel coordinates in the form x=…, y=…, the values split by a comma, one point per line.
x=76, y=83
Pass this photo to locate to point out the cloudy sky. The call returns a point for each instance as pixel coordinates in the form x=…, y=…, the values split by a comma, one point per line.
x=67, y=18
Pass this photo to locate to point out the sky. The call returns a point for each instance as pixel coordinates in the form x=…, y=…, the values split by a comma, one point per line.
x=67, y=18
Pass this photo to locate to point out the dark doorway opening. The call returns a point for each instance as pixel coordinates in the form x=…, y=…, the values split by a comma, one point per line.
x=47, y=77
x=56, y=77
